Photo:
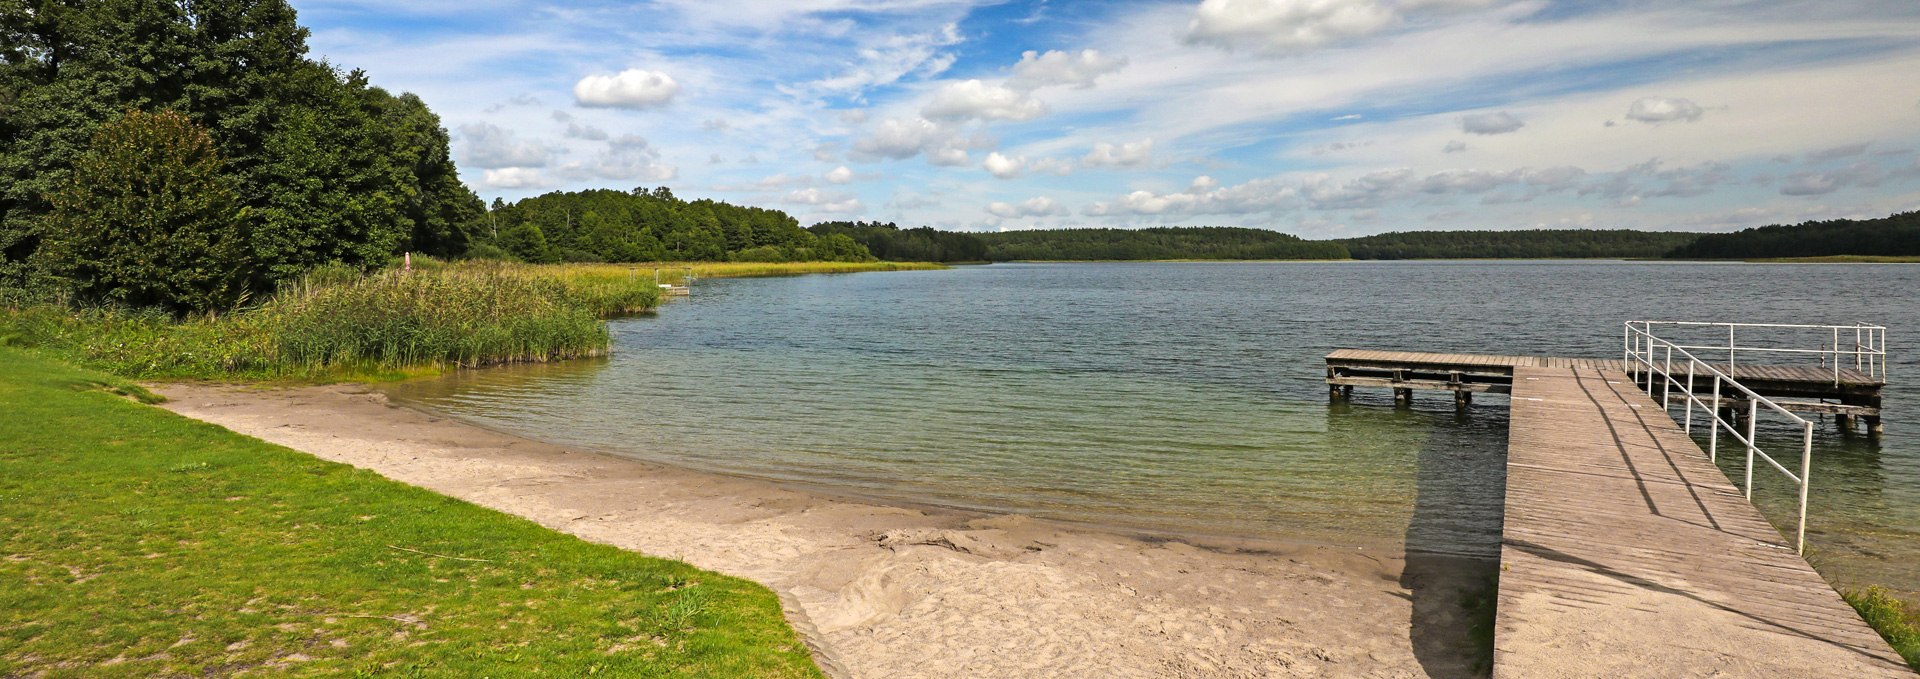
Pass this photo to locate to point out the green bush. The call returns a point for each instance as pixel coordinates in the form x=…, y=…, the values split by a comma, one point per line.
x=148, y=220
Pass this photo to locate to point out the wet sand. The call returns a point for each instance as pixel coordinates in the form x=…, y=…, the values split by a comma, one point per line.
x=890, y=591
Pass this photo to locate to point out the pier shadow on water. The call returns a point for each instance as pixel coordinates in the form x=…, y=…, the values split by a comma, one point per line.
x=1453, y=541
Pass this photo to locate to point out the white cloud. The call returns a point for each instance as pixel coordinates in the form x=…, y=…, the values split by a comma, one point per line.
x=489, y=146
x=633, y=88
x=885, y=59
x=1127, y=154
x=1078, y=69
x=901, y=138
x=1500, y=122
x=1836, y=152
x=1286, y=26
x=1004, y=167
x=584, y=131
x=1052, y=166
x=822, y=201
x=1657, y=110
x=625, y=158
x=948, y=157
x=839, y=175
x=1454, y=146
x=971, y=99
x=513, y=178
x=1040, y=206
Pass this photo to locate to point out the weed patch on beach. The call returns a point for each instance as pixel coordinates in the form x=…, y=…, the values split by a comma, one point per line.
x=1896, y=620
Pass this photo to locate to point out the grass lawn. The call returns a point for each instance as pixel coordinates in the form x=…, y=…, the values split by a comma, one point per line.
x=134, y=542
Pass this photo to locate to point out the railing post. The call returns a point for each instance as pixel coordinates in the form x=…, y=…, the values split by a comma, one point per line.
x=1753, y=408
x=1713, y=437
x=1730, y=346
x=1666, y=390
x=1806, y=479
x=1689, y=396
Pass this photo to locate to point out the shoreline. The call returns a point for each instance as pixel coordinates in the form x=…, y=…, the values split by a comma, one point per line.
x=886, y=590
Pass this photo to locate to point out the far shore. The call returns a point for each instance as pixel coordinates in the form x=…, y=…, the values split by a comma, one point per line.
x=891, y=591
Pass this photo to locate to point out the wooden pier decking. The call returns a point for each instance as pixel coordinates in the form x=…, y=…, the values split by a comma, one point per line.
x=1626, y=553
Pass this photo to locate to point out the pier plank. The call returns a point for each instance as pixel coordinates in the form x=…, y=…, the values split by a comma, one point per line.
x=1625, y=553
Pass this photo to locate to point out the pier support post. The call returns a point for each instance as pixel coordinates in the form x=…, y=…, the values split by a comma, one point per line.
x=1462, y=399
x=1844, y=421
x=1874, y=428
x=1403, y=397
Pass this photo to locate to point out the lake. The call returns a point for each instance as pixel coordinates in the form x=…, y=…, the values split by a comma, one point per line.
x=1184, y=399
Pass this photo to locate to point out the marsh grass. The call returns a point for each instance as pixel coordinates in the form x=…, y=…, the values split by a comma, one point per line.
x=337, y=323
x=137, y=543
x=1894, y=618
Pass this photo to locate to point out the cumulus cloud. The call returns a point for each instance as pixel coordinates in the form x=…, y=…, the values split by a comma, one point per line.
x=587, y=132
x=1054, y=67
x=823, y=201
x=1039, y=206
x=1286, y=26
x=489, y=146
x=973, y=99
x=624, y=158
x=1127, y=154
x=901, y=138
x=1454, y=146
x=1864, y=173
x=715, y=125
x=839, y=175
x=513, y=178
x=1053, y=166
x=1836, y=152
x=1655, y=110
x=633, y=88
x=1500, y=122
x=1003, y=166
x=948, y=157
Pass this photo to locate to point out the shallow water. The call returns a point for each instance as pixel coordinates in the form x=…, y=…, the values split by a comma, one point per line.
x=1180, y=398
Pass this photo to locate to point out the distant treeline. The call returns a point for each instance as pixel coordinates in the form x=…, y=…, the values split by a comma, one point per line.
x=925, y=244
x=1205, y=242
x=1529, y=244
x=644, y=225
x=1897, y=235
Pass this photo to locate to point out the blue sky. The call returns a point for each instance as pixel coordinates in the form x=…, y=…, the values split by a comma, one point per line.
x=1323, y=118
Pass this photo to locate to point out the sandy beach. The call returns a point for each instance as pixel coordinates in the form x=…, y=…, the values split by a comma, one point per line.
x=888, y=591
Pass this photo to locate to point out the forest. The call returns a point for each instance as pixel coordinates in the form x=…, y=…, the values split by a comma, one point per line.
x=1524, y=244
x=185, y=155
x=644, y=225
x=1893, y=236
x=1207, y=242
x=924, y=244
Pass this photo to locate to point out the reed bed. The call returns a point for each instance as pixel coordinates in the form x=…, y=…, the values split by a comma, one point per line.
x=338, y=323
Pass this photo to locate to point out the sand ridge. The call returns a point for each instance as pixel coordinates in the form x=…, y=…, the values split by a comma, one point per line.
x=883, y=591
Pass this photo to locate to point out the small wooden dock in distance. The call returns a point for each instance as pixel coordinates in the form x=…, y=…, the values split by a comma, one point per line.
x=1625, y=552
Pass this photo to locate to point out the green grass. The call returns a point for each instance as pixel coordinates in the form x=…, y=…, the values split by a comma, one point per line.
x=1893, y=618
x=136, y=543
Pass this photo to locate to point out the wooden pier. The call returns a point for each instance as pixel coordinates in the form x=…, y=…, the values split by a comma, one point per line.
x=1848, y=394
x=1625, y=552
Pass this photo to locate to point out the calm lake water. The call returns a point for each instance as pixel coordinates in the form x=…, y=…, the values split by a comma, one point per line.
x=1183, y=398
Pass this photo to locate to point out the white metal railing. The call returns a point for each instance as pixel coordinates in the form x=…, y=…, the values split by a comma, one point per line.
x=1650, y=356
x=1866, y=352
